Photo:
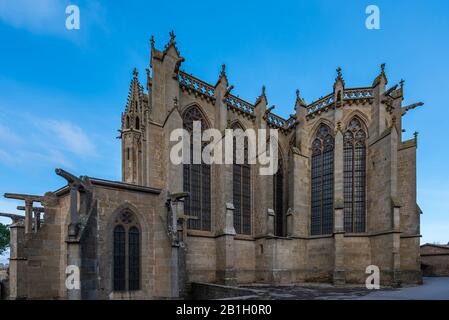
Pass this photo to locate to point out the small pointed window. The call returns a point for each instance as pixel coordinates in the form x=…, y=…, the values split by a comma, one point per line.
x=126, y=255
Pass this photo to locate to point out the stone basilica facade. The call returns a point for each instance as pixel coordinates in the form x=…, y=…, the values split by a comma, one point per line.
x=344, y=198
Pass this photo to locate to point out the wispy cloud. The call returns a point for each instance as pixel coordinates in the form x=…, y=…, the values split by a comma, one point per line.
x=7, y=136
x=72, y=137
x=49, y=16
x=50, y=142
x=39, y=16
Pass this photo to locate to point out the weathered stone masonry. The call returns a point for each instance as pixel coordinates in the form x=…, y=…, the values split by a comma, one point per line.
x=137, y=238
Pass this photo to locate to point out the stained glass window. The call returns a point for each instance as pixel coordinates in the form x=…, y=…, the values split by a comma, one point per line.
x=322, y=184
x=278, y=197
x=241, y=189
x=126, y=256
x=354, y=177
x=119, y=258
x=133, y=259
x=196, y=179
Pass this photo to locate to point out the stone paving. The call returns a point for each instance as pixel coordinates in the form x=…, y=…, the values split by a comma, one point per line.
x=433, y=288
x=309, y=292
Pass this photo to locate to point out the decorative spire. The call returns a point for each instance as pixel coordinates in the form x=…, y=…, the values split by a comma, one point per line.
x=401, y=83
x=135, y=91
x=262, y=96
x=223, y=77
x=223, y=71
x=339, y=78
x=172, y=43
x=152, y=41
x=339, y=75
x=172, y=36
x=299, y=100
x=381, y=76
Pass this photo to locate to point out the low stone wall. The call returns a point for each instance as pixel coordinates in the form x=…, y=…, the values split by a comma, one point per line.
x=209, y=291
x=4, y=289
x=435, y=260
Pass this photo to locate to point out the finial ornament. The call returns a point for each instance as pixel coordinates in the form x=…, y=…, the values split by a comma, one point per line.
x=298, y=96
x=402, y=83
x=339, y=72
x=152, y=41
x=223, y=70
x=172, y=36
x=263, y=90
x=135, y=73
x=339, y=78
x=382, y=67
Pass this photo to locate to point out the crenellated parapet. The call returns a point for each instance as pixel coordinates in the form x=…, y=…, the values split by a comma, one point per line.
x=192, y=85
x=240, y=106
x=350, y=96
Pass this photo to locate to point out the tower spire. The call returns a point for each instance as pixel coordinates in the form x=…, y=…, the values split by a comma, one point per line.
x=135, y=90
x=382, y=77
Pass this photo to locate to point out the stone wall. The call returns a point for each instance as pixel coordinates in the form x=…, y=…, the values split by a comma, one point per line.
x=357, y=255
x=155, y=246
x=201, y=259
x=435, y=260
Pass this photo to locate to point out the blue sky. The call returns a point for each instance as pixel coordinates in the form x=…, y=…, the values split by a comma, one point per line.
x=62, y=92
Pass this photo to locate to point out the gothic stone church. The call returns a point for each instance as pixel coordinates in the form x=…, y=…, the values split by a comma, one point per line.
x=344, y=198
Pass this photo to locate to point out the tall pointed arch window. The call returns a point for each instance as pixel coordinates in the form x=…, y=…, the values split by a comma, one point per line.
x=126, y=252
x=354, y=177
x=241, y=189
x=196, y=179
x=278, y=197
x=322, y=215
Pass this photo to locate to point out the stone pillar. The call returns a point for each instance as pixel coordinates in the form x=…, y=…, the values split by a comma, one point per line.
x=17, y=263
x=289, y=220
x=222, y=173
x=28, y=216
x=73, y=206
x=299, y=193
x=37, y=220
x=225, y=249
x=178, y=235
x=73, y=260
x=271, y=217
x=396, y=242
x=263, y=184
x=339, y=277
x=339, y=267
x=379, y=113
